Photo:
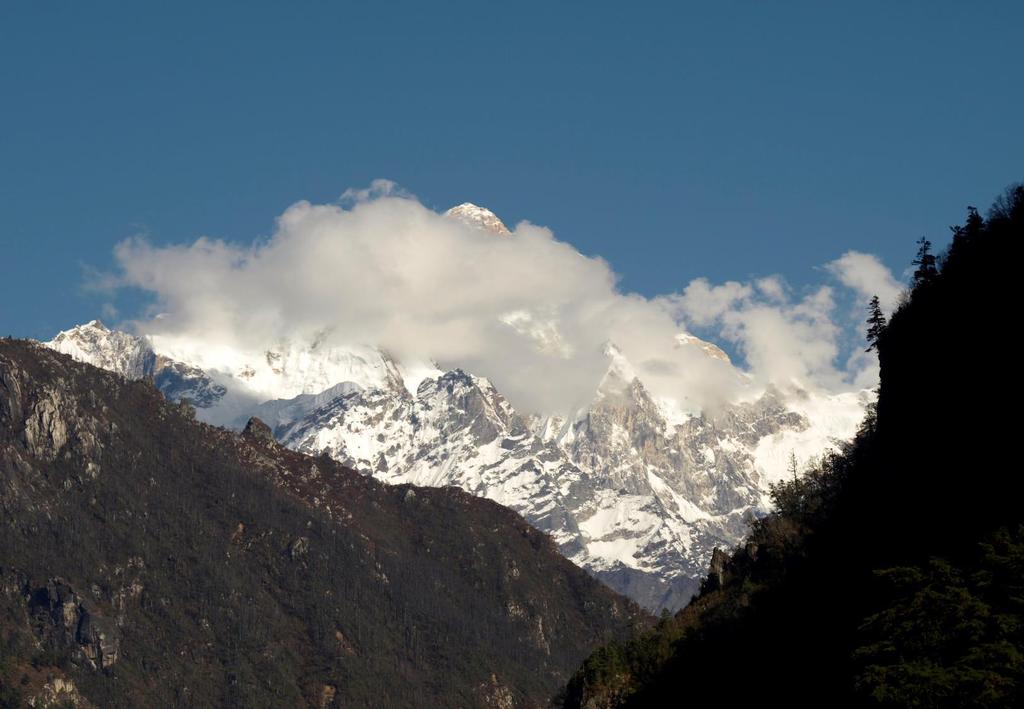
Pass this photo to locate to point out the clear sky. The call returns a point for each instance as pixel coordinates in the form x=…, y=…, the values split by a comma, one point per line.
x=675, y=139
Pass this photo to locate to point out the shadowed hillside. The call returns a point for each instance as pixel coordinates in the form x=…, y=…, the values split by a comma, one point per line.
x=150, y=560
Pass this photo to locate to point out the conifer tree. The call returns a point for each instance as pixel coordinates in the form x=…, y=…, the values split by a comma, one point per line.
x=964, y=236
x=927, y=266
x=876, y=323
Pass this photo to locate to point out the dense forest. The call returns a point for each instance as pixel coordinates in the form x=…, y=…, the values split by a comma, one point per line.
x=892, y=573
x=147, y=560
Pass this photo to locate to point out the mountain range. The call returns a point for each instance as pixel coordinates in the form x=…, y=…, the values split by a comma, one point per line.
x=634, y=488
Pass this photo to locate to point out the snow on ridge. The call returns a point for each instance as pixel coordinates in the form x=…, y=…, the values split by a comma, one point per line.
x=93, y=343
x=832, y=419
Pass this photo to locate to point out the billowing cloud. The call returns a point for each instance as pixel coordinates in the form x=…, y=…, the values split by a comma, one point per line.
x=785, y=342
x=867, y=276
x=530, y=312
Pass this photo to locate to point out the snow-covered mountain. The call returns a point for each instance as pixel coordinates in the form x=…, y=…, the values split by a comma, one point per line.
x=634, y=489
x=133, y=357
x=479, y=218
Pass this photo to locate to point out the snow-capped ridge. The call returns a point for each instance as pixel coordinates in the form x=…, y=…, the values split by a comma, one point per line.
x=120, y=352
x=478, y=218
x=684, y=339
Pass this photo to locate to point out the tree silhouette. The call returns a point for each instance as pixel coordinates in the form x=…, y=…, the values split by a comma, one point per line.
x=876, y=323
x=927, y=267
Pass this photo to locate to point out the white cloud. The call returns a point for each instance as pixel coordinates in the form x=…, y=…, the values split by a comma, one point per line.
x=378, y=188
x=784, y=342
x=867, y=276
x=529, y=312
x=703, y=303
x=772, y=287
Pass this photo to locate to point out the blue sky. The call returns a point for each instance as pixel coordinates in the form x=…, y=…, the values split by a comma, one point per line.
x=727, y=140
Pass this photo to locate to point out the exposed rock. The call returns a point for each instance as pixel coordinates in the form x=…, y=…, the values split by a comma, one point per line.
x=99, y=640
x=495, y=695
x=717, y=575
x=10, y=396
x=177, y=381
x=327, y=694
x=45, y=429
x=66, y=621
x=256, y=430
x=344, y=644
x=58, y=692
x=298, y=548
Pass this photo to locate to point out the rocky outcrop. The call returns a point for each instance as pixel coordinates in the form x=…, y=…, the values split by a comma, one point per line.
x=494, y=695
x=42, y=418
x=717, y=570
x=298, y=548
x=257, y=431
x=59, y=693
x=177, y=380
x=10, y=396
x=65, y=621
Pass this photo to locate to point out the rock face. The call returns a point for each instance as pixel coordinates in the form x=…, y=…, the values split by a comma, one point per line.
x=631, y=489
x=256, y=430
x=717, y=570
x=202, y=567
x=59, y=693
x=66, y=621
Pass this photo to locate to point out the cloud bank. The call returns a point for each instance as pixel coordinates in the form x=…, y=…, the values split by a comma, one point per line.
x=530, y=312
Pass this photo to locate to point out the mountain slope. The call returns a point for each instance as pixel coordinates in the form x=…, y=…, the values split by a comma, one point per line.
x=152, y=560
x=892, y=574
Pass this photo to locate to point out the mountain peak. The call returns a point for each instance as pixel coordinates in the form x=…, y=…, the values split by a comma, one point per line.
x=686, y=339
x=128, y=355
x=479, y=218
x=93, y=328
x=620, y=373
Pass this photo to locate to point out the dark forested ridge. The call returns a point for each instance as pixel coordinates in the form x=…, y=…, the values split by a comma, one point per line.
x=150, y=560
x=893, y=573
